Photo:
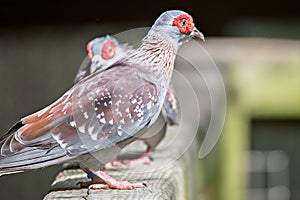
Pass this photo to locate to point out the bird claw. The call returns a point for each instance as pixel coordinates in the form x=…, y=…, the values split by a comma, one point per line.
x=98, y=186
x=102, y=180
x=113, y=165
x=119, y=185
x=84, y=184
x=143, y=160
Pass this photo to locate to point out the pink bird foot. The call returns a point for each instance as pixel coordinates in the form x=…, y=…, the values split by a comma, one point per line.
x=101, y=180
x=142, y=160
x=114, y=164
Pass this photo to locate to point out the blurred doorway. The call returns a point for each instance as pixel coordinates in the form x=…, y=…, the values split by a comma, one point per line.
x=274, y=159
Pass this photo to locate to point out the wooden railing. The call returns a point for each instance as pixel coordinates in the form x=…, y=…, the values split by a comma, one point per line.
x=169, y=176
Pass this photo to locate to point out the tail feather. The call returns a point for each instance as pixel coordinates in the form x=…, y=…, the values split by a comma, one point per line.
x=13, y=129
x=30, y=158
x=9, y=145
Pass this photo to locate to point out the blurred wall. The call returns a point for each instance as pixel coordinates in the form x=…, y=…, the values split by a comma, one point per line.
x=211, y=16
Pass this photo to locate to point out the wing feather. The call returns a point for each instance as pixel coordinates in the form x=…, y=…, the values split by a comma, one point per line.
x=95, y=114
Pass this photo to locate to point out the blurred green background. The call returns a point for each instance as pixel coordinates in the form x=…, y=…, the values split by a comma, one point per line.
x=255, y=44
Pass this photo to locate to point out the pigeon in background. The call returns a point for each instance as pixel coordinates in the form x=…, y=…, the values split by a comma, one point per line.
x=104, y=51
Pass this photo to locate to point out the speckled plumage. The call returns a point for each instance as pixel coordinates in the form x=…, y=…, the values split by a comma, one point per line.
x=96, y=50
x=61, y=131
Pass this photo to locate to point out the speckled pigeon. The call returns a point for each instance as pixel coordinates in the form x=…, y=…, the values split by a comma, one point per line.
x=104, y=51
x=104, y=111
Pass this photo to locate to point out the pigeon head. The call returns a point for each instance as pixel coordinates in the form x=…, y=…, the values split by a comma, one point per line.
x=177, y=26
x=103, y=48
x=103, y=51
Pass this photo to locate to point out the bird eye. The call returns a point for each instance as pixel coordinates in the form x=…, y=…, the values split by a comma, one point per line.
x=108, y=50
x=183, y=22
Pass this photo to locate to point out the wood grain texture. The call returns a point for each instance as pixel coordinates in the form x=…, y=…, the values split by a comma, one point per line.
x=167, y=177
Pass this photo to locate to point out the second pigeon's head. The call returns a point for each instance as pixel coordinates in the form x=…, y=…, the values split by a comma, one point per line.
x=103, y=51
x=177, y=25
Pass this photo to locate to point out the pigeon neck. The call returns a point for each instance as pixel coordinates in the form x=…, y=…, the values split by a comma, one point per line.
x=159, y=54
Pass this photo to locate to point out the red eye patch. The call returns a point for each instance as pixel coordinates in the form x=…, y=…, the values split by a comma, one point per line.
x=184, y=23
x=89, y=50
x=108, y=50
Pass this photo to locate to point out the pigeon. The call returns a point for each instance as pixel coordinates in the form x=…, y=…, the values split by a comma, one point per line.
x=102, y=52
x=103, y=112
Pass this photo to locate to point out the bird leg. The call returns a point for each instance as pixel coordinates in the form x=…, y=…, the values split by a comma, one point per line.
x=144, y=159
x=114, y=164
x=101, y=180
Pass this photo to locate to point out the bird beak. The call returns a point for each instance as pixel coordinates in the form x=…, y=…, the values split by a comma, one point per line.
x=197, y=34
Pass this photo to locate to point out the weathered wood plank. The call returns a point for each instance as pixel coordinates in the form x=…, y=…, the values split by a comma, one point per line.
x=159, y=186
x=166, y=177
